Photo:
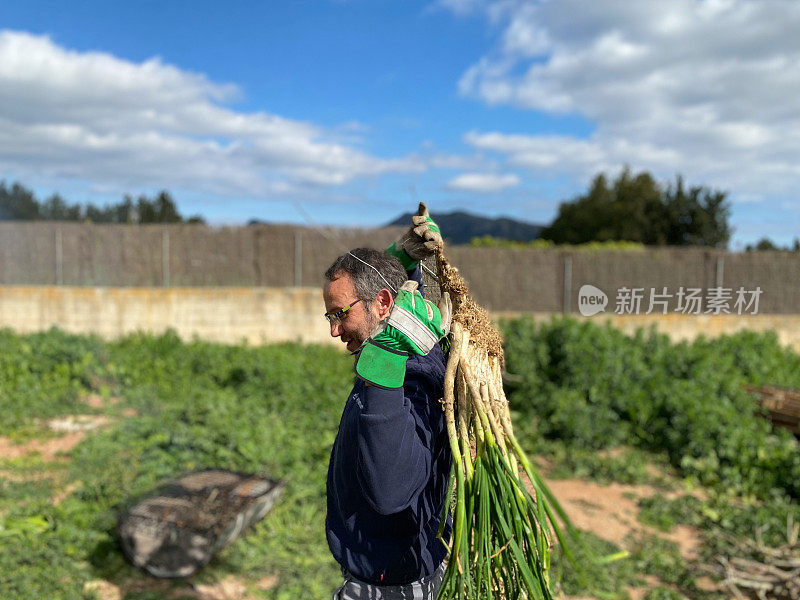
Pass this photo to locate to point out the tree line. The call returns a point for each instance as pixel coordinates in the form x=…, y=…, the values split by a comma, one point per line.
x=17, y=203
x=767, y=244
x=636, y=208
x=630, y=208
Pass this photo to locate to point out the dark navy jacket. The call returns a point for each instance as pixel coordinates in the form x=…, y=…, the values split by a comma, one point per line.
x=388, y=476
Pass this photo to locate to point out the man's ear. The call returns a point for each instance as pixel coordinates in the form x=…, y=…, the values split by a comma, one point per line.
x=385, y=302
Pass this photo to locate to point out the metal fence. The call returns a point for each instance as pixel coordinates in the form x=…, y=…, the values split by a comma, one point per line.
x=36, y=253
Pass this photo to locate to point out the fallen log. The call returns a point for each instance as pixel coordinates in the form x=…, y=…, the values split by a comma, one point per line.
x=782, y=405
x=178, y=528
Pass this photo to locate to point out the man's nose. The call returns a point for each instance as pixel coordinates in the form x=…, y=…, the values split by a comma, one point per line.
x=336, y=329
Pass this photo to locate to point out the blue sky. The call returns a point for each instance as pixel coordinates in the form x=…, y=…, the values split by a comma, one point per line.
x=352, y=110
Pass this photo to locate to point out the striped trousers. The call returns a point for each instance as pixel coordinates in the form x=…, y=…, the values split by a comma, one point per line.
x=422, y=589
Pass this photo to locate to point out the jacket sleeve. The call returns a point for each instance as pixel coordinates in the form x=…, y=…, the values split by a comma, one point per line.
x=416, y=275
x=395, y=444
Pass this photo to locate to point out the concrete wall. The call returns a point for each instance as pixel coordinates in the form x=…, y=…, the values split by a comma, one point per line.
x=272, y=256
x=262, y=315
x=228, y=315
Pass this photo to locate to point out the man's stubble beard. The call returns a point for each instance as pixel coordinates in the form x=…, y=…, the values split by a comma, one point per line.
x=369, y=325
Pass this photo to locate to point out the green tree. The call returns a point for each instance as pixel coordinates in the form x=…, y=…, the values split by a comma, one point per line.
x=637, y=212
x=697, y=216
x=145, y=210
x=125, y=211
x=97, y=214
x=766, y=243
x=166, y=211
x=636, y=208
x=585, y=218
x=55, y=208
x=17, y=203
x=161, y=209
x=629, y=209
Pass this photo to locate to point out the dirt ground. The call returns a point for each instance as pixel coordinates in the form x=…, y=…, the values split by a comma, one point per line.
x=230, y=588
x=69, y=431
x=611, y=512
x=48, y=449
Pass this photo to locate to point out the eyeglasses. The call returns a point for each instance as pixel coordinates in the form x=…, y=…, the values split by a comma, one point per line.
x=336, y=316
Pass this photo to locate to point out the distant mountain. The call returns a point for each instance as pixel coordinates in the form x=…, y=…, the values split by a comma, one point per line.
x=460, y=227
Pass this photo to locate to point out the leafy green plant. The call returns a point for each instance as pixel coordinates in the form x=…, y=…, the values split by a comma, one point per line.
x=664, y=593
x=42, y=376
x=665, y=513
x=595, y=388
x=621, y=465
x=273, y=409
x=488, y=241
x=580, y=392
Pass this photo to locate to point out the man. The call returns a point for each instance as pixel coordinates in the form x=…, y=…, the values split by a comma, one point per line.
x=390, y=463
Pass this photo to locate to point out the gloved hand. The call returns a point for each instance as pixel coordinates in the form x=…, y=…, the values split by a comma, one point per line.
x=422, y=240
x=414, y=326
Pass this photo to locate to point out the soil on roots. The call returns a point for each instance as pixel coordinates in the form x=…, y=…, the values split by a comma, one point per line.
x=467, y=312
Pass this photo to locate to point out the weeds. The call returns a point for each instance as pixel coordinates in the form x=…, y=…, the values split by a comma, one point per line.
x=580, y=394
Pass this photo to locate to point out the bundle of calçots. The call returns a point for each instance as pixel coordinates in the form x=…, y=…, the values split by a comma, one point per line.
x=503, y=530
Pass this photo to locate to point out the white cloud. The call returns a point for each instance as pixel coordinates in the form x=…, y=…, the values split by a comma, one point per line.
x=461, y=7
x=557, y=154
x=482, y=182
x=97, y=117
x=710, y=89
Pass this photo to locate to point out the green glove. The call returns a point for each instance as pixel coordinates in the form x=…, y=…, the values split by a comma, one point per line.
x=422, y=240
x=414, y=326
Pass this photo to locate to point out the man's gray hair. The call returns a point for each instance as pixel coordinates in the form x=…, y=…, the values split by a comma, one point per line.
x=371, y=271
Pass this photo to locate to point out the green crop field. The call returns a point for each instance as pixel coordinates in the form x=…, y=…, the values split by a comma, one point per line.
x=677, y=415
